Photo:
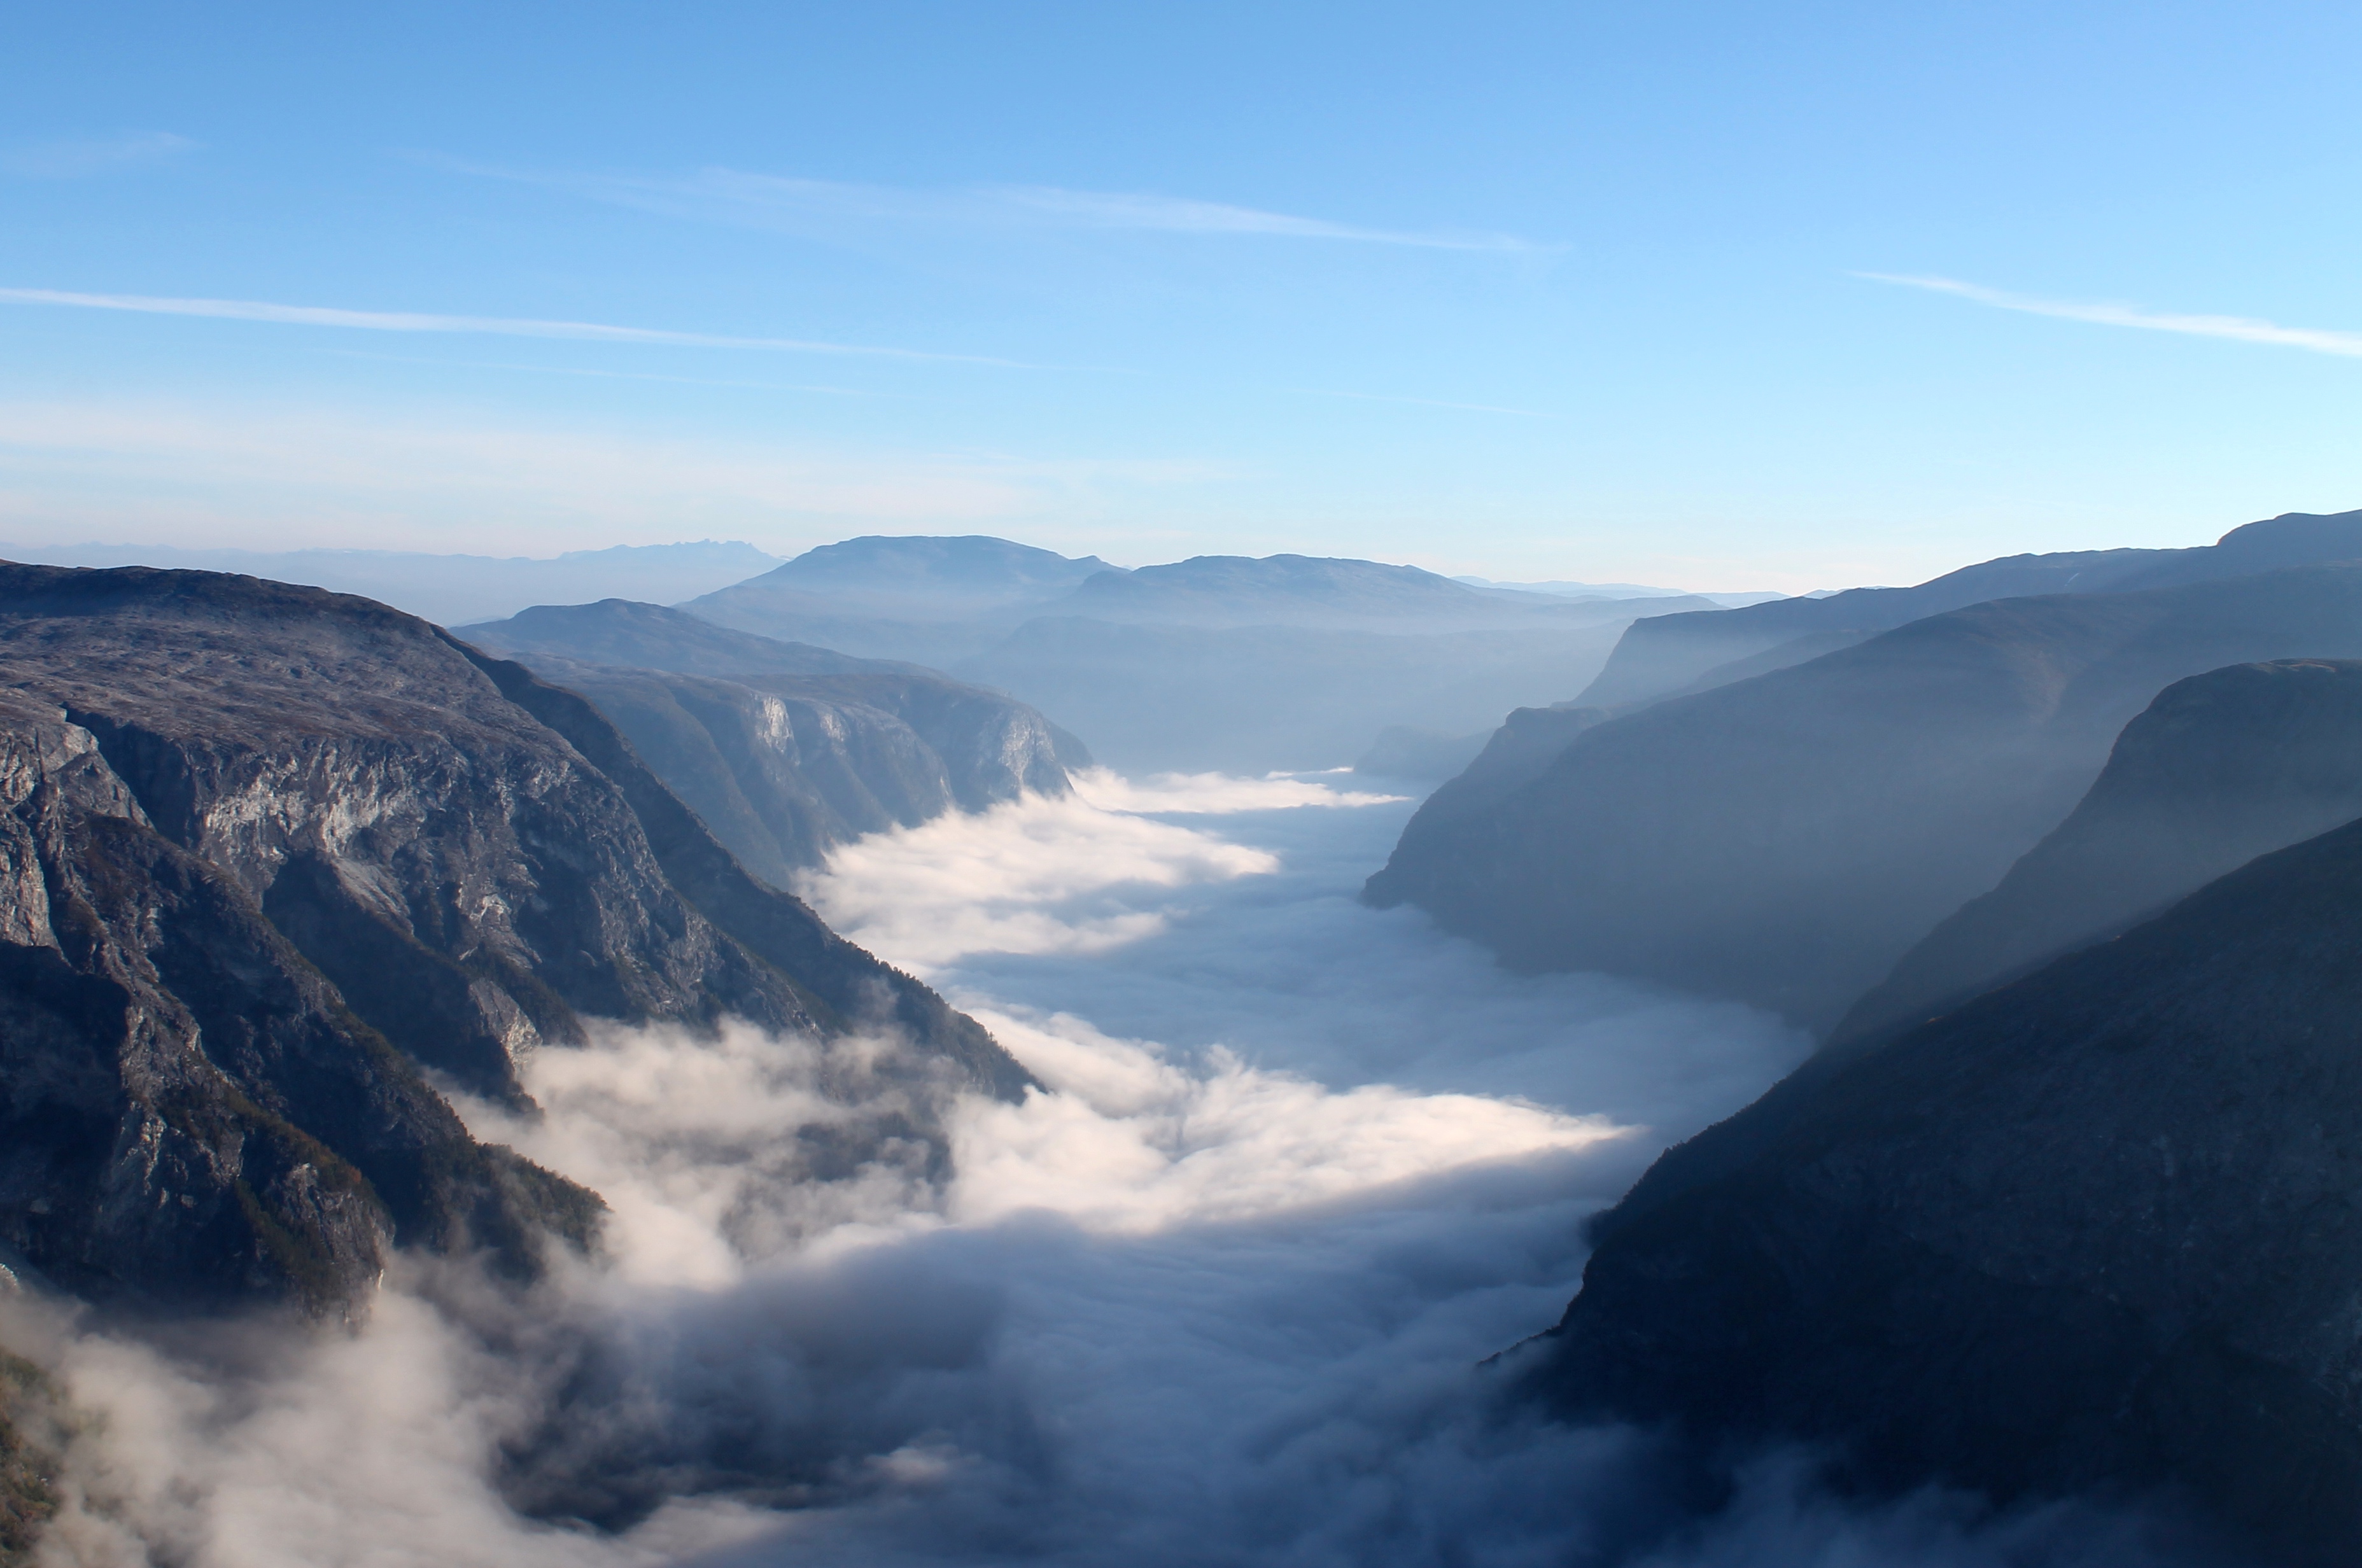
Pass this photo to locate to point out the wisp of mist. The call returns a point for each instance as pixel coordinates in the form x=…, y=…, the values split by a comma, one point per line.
x=1217, y=1294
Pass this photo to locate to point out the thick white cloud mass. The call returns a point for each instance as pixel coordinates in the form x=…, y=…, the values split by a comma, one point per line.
x=1218, y=1295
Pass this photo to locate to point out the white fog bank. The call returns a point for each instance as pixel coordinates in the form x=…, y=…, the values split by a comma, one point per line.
x=1217, y=1294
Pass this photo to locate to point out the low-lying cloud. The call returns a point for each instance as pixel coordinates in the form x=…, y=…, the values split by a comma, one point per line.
x=1218, y=1295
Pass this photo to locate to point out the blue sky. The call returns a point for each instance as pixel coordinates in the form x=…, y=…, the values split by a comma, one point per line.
x=1574, y=290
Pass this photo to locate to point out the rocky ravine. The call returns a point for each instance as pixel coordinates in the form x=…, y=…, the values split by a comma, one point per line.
x=266, y=853
x=784, y=749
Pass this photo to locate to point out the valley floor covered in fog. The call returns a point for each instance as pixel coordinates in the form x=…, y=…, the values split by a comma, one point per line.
x=1218, y=1295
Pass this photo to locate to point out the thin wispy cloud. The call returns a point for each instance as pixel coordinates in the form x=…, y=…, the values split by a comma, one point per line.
x=71, y=160
x=1176, y=215
x=772, y=200
x=2240, y=328
x=484, y=326
x=1424, y=402
x=603, y=375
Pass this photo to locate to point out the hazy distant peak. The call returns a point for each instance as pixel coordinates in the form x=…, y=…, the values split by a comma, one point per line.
x=972, y=565
x=1322, y=576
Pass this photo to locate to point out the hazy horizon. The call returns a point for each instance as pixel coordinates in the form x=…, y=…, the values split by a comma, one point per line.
x=1691, y=295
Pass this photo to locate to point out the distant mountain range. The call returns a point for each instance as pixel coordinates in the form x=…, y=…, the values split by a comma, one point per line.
x=1244, y=674
x=1218, y=662
x=1627, y=590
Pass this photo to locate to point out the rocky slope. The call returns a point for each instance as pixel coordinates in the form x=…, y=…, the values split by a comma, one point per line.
x=1784, y=840
x=2222, y=767
x=1662, y=656
x=787, y=750
x=2091, y=1233
x=268, y=855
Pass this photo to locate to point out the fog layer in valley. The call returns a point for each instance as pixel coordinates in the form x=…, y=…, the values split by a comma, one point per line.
x=1218, y=1295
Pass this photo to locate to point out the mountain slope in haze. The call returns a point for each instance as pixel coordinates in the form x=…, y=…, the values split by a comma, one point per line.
x=1783, y=840
x=1251, y=699
x=449, y=590
x=1286, y=662
x=1309, y=591
x=269, y=853
x=2222, y=767
x=1667, y=655
x=2092, y=1234
x=786, y=750
x=958, y=575
x=930, y=600
x=1623, y=590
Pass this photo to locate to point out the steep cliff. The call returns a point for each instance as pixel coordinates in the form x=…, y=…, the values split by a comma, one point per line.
x=2094, y=1232
x=784, y=749
x=2222, y=767
x=1784, y=840
x=1666, y=655
x=270, y=852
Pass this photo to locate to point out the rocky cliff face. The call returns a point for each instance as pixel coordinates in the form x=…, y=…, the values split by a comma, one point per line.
x=1665, y=655
x=1784, y=840
x=2092, y=1232
x=787, y=750
x=269, y=853
x=2222, y=767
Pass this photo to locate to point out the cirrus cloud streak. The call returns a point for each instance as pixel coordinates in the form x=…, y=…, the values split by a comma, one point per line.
x=483, y=326
x=2240, y=328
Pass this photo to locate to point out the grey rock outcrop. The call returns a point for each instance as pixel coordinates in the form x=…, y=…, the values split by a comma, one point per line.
x=270, y=852
x=2092, y=1234
x=2222, y=767
x=1786, y=840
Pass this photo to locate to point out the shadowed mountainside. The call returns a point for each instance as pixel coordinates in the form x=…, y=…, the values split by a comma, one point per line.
x=2222, y=767
x=2091, y=1233
x=1664, y=655
x=1783, y=840
x=787, y=750
x=265, y=854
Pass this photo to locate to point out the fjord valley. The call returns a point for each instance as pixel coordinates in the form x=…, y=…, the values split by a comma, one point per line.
x=1887, y=1085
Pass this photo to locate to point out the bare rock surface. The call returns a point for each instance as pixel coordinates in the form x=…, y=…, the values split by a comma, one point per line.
x=269, y=856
